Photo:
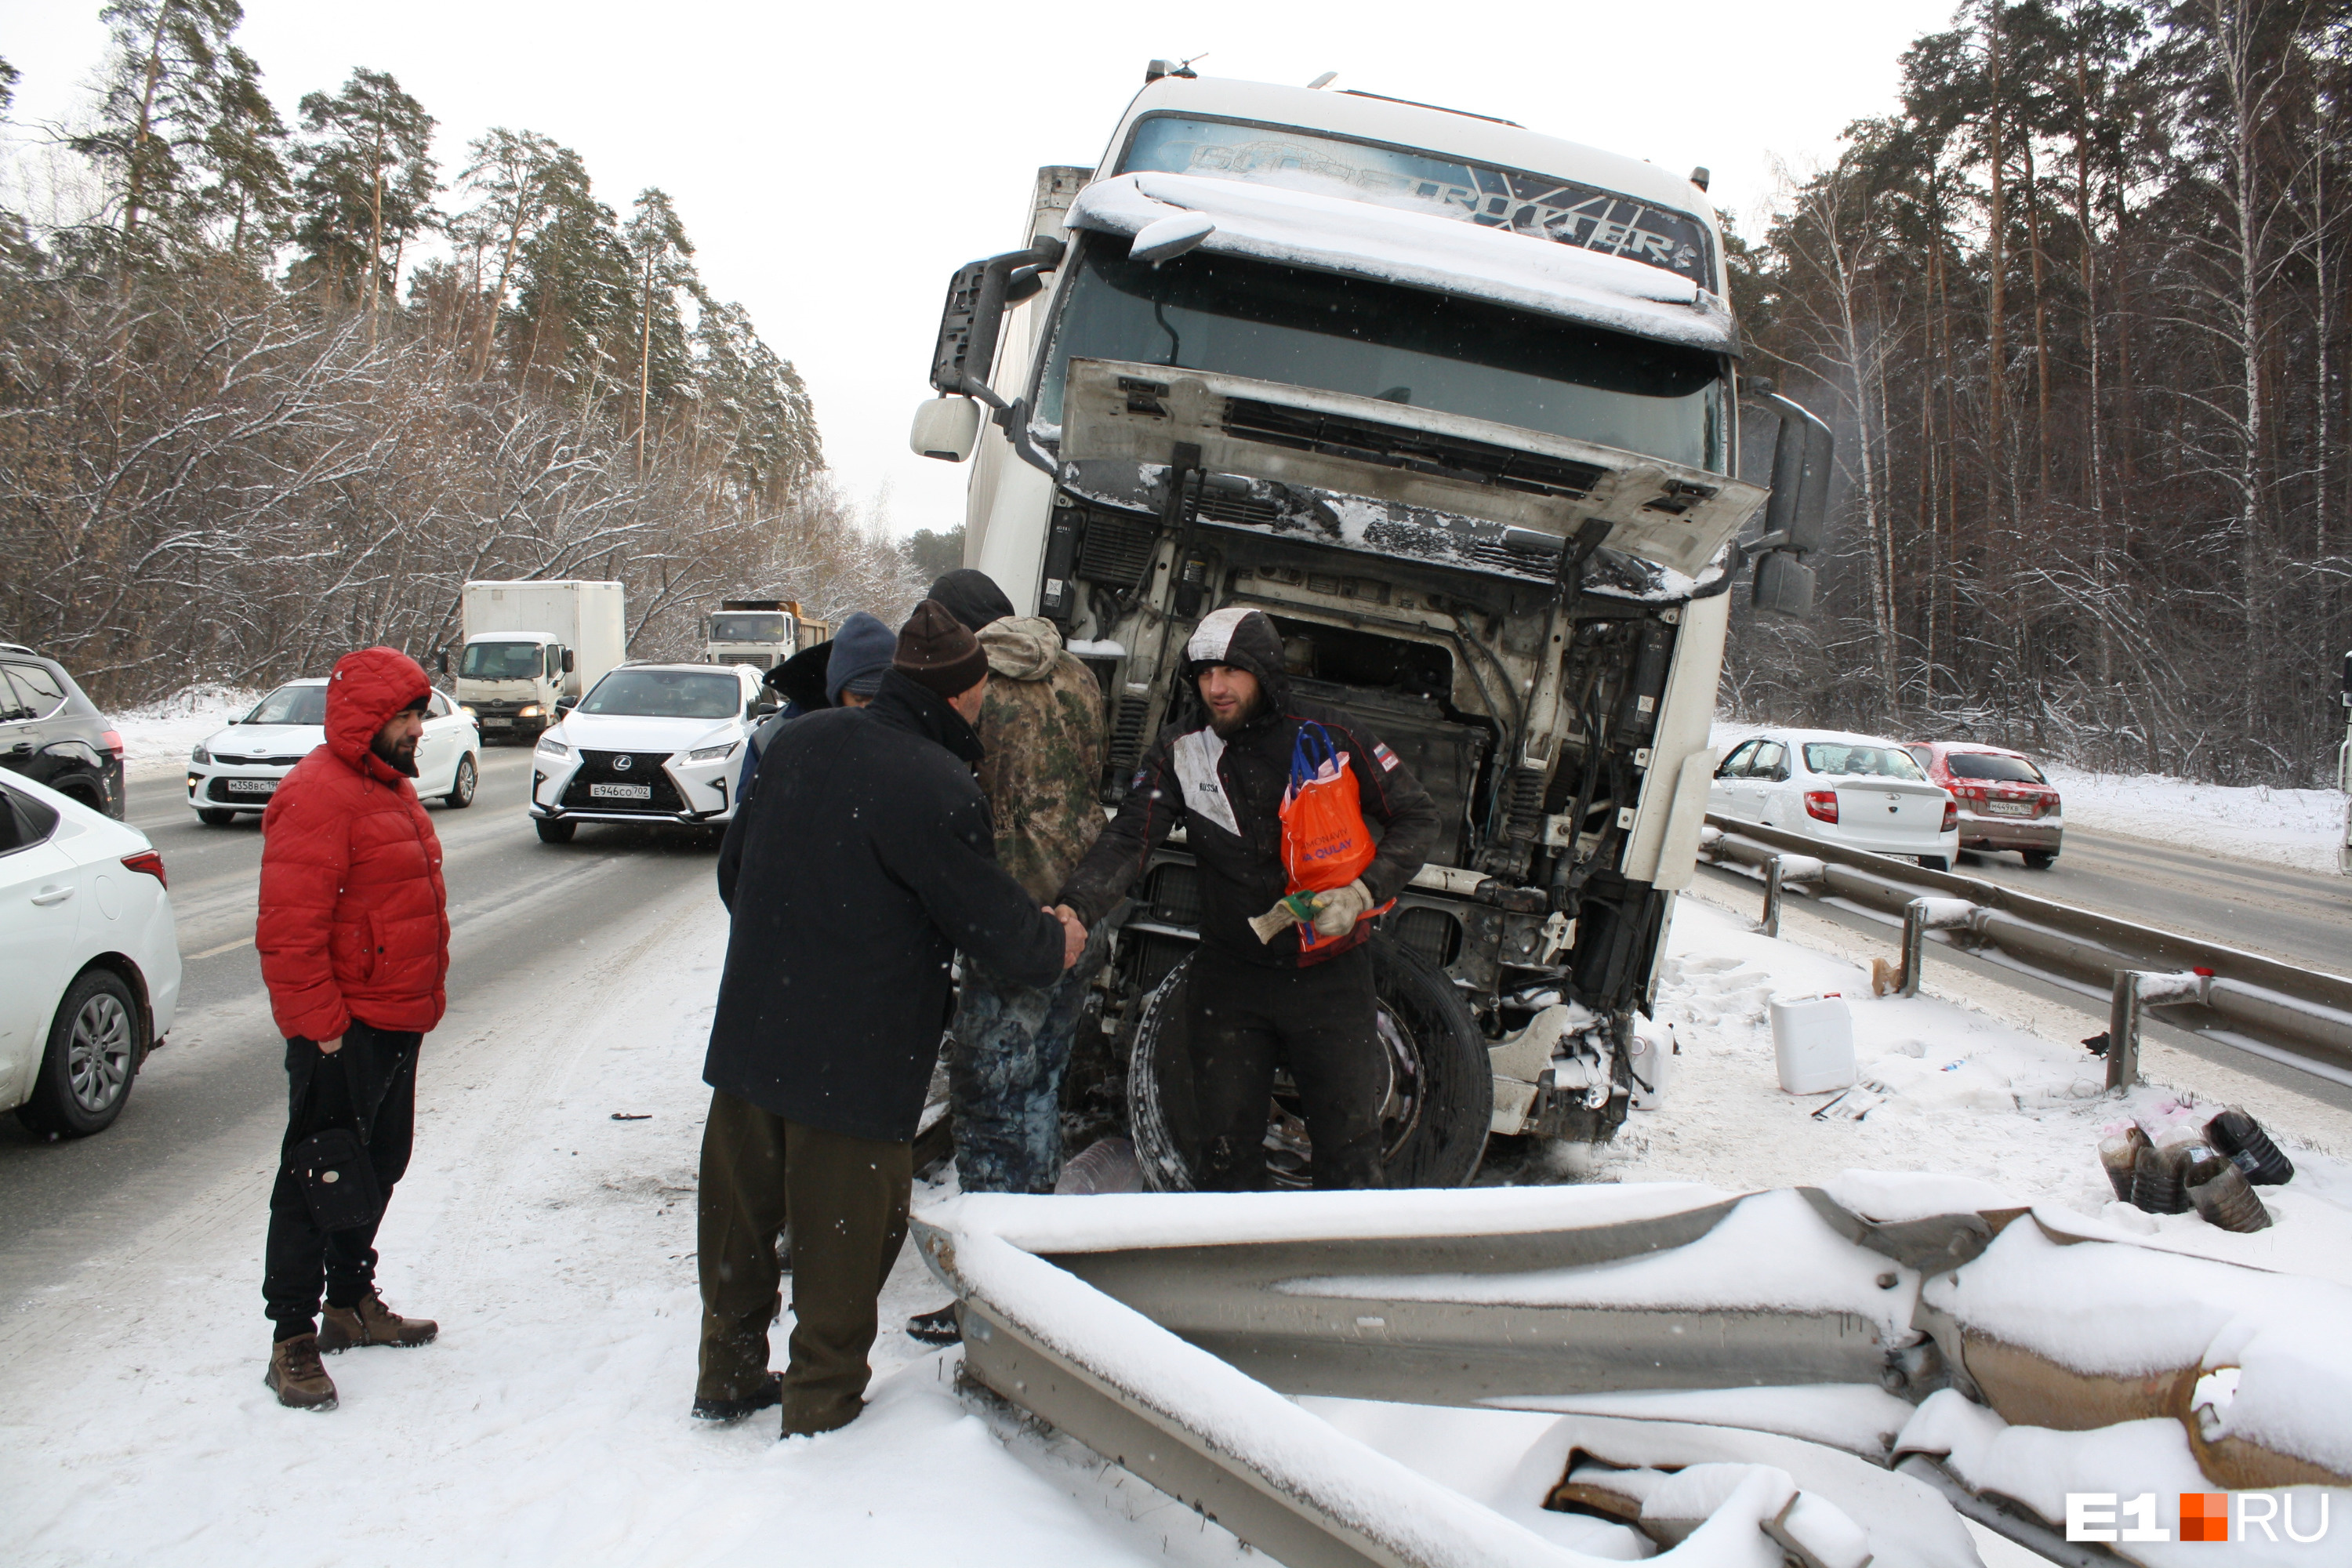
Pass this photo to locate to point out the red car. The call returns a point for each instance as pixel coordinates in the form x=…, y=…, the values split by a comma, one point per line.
x=2004, y=801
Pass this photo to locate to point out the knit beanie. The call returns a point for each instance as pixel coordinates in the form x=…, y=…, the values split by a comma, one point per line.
x=939, y=651
x=972, y=597
x=862, y=651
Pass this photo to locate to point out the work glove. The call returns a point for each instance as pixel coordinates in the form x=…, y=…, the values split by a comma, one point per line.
x=1292, y=909
x=1337, y=911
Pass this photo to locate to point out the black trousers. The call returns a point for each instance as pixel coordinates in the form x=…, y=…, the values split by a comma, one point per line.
x=373, y=1073
x=1247, y=1018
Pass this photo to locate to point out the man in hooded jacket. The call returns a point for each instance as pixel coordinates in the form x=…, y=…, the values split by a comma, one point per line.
x=854, y=871
x=353, y=936
x=1221, y=772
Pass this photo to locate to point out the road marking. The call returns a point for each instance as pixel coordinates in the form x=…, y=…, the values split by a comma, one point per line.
x=216, y=952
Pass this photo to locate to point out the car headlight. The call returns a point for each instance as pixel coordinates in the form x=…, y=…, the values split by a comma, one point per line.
x=554, y=748
x=712, y=753
x=200, y=755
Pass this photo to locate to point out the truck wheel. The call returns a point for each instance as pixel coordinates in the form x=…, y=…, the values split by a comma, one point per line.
x=1441, y=1094
x=553, y=832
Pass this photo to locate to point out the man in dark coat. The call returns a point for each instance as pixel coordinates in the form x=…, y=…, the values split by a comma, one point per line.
x=1222, y=773
x=853, y=872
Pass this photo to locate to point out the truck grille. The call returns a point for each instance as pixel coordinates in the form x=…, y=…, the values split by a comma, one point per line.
x=1415, y=451
x=644, y=768
x=1115, y=550
x=1126, y=744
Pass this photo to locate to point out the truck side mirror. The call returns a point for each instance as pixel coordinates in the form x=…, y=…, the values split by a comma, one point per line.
x=444, y=661
x=1795, y=513
x=973, y=315
x=1784, y=586
x=564, y=705
x=947, y=428
x=571, y=661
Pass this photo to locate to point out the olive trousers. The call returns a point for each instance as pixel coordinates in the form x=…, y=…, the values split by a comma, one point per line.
x=845, y=1200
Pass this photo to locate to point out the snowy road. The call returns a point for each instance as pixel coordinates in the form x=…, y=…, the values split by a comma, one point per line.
x=2302, y=917
x=523, y=915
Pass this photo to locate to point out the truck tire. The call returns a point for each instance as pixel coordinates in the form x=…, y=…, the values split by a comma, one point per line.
x=1440, y=1103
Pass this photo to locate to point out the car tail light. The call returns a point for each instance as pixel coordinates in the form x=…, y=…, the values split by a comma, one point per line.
x=1821, y=805
x=149, y=863
x=112, y=742
x=1951, y=815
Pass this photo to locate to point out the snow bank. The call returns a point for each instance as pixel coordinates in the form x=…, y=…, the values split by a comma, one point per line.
x=156, y=739
x=1339, y=234
x=2298, y=827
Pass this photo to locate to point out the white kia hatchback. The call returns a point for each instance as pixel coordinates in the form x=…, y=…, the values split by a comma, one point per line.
x=90, y=961
x=1853, y=790
x=238, y=769
x=649, y=743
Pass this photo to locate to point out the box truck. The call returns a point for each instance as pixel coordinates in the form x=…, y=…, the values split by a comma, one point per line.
x=530, y=646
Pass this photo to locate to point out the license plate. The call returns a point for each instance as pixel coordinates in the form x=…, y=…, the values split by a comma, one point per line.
x=2011, y=808
x=252, y=786
x=489, y=723
x=620, y=792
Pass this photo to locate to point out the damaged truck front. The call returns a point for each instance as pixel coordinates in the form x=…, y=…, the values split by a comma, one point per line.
x=1458, y=405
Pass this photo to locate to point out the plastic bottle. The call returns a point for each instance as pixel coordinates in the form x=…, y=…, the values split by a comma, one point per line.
x=2156, y=1185
x=2119, y=1146
x=2241, y=1138
x=2225, y=1198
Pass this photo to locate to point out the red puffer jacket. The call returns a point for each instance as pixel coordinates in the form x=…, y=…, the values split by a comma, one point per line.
x=353, y=919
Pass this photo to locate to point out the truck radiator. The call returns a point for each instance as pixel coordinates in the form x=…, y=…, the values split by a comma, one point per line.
x=1127, y=740
x=1115, y=550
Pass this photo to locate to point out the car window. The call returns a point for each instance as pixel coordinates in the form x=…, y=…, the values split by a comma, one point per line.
x=291, y=705
x=437, y=707
x=1840, y=760
x=1736, y=765
x=667, y=694
x=24, y=821
x=15, y=702
x=1986, y=765
x=1770, y=762
x=1921, y=755
x=37, y=692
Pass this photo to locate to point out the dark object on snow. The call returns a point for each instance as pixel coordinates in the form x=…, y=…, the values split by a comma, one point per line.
x=767, y=1398
x=632, y=1116
x=938, y=1327
x=2223, y=1196
x=2156, y=1185
x=2241, y=1138
x=2097, y=1043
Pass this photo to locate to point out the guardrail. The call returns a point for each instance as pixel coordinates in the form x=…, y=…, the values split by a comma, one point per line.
x=2300, y=1016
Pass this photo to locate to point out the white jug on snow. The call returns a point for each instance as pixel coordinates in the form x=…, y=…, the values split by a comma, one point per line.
x=1812, y=1040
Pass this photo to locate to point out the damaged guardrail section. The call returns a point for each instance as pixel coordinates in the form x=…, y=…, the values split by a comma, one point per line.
x=1828, y=1376
x=2300, y=1016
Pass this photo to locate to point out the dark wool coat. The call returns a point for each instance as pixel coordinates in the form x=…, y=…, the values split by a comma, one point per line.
x=1233, y=825
x=858, y=865
x=353, y=922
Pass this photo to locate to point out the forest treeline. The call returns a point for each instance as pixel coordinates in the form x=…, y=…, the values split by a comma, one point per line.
x=2077, y=308
x=243, y=426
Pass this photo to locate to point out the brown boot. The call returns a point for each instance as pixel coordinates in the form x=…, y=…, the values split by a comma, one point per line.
x=295, y=1376
x=372, y=1324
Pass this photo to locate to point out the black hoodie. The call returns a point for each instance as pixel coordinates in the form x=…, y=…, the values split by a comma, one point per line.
x=1227, y=792
x=861, y=863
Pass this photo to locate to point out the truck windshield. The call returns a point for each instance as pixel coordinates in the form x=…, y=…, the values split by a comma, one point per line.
x=500, y=661
x=666, y=694
x=290, y=705
x=1303, y=328
x=755, y=626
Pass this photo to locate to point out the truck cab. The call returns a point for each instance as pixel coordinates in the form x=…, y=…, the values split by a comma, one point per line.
x=512, y=682
x=761, y=633
x=1458, y=406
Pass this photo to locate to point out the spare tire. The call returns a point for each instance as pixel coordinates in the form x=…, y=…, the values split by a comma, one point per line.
x=1440, y=1090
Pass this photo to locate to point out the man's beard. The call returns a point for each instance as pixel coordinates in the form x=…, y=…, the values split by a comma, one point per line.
x=1225, y=728
x=400, y=758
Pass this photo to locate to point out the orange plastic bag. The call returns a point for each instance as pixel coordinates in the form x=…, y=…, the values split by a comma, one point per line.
x=1325, y=841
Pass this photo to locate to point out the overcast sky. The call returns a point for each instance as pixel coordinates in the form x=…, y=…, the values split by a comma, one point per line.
x=834, y=162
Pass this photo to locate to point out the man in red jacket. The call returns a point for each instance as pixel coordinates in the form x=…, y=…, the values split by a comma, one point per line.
x=354, y=940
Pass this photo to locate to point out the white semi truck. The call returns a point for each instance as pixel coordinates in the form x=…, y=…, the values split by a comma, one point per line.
x=1459, y=406
x=530, y=646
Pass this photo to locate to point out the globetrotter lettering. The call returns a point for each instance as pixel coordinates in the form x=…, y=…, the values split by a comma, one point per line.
x=2199, y=1516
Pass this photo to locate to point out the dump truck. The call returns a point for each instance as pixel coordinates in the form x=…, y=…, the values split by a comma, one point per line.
x=1460, y=407
x=530, y=644
x=761, y=633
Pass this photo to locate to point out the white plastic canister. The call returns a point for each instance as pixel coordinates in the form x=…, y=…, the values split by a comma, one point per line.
x=1651, y=1059
x=1812, y=1039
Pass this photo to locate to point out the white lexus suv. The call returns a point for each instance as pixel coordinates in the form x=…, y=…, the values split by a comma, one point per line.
x=650, y=743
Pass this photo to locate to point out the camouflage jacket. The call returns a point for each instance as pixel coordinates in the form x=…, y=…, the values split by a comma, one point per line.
x=1042, y=722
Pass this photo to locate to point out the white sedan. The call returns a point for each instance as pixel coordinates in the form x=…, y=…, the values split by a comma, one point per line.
x=90, y=961
x=1852, y=790
x=238, y=769
x=650, y=743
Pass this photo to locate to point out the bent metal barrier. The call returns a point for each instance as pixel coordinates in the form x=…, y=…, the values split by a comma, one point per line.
x=1856, y=1367
x=2303, y=1016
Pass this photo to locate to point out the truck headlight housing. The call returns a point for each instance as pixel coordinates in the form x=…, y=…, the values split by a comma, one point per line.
x=530, y=711
x=712, y=753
